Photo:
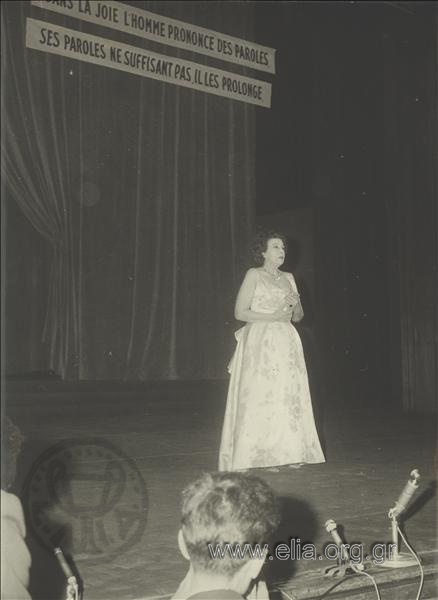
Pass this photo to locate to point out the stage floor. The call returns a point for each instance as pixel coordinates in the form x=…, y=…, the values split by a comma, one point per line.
x=171, y=432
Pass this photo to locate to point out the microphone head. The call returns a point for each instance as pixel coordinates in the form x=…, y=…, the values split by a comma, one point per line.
x=415, y=474
x=330, y=525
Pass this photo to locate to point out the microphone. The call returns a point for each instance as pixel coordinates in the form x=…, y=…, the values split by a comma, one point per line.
x=332, y=528
x=407, y=493
x=64, y=564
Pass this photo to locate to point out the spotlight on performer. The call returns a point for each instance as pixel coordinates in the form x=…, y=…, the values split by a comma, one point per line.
x=397, y=559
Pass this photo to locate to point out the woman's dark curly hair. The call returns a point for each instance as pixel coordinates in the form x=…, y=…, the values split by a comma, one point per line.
x=260, y=244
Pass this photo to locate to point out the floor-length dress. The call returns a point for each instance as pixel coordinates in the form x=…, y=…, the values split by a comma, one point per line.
x=269, y=418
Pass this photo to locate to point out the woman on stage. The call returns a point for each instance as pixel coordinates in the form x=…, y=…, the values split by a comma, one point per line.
x=269, y=419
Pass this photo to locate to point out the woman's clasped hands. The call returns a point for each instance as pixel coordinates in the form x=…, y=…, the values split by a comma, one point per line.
x=284, y=313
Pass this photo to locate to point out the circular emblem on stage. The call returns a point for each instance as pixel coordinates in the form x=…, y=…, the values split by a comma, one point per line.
x=87, y=497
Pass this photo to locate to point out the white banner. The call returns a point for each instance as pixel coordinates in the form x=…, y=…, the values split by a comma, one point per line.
x=166, y=31
x=100, y=51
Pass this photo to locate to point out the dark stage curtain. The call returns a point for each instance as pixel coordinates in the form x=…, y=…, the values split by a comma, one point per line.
x=144, y=191
x=410, y=168
x=352, y=138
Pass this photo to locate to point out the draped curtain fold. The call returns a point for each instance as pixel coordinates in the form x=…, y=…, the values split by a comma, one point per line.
x=35, y=169
x=410, y=179
x=144, y=190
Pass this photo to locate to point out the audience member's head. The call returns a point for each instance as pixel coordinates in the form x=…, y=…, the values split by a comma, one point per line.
x=16, y=560
x=227, y=508
x=12, y=441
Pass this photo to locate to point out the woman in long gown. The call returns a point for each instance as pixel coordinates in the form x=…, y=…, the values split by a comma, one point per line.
x=269, y=418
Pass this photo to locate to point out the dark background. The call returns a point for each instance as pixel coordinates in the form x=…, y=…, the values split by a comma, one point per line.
x=351, y=141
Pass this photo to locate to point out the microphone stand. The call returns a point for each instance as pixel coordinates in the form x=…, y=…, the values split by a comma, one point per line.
x=341, y=569
x=72, y=591
x=344, y=565
x=397, y=559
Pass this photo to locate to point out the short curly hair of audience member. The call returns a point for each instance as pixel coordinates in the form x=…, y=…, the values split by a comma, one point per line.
x=260, y=244
x=227, y=508
x=12, y=439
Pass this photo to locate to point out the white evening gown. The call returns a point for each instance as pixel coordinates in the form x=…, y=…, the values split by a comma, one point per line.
x=269, y=418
